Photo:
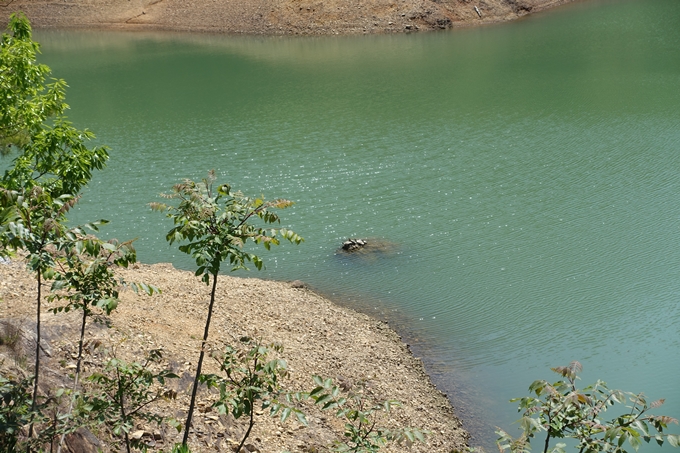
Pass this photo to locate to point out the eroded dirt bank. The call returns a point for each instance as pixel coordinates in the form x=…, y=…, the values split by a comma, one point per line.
x=316, y=17
x=319, y=338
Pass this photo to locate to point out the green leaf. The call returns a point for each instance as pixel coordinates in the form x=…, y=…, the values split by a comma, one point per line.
x=316, y=391
x=323, y=399
x=301, y=418
x=634, y=442
x=285, y=413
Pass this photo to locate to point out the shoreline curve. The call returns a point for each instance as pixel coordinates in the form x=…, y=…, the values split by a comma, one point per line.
x=319, y=337
x=274, y=17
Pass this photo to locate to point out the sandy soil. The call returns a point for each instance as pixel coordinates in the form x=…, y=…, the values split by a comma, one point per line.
x=319, y=338
x=273, y=16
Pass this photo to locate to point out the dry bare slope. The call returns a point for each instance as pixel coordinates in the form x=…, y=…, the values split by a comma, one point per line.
x=273, y=16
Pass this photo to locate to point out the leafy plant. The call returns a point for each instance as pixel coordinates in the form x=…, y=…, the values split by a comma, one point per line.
x=34, y=230
x=363, y=432
x=83, y=275
x=213, y=225
x=124, y=391
x=27, y=101
x=562, y=411
x=84, y=278
x=248, y=377
x=54, y=163
x=15, y=411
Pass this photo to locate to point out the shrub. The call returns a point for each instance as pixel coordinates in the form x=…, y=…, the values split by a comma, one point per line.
x=562, y=411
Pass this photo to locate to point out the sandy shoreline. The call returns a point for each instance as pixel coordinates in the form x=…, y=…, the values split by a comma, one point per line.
x=274, y=17
x=319, y=338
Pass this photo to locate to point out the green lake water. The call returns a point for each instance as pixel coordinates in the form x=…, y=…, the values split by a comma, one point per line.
x=527, y=173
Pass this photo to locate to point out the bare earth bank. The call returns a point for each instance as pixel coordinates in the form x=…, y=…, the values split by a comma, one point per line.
x=271, y=17
x=319, y=338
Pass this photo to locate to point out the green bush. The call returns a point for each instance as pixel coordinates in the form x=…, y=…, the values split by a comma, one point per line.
x=560, y=410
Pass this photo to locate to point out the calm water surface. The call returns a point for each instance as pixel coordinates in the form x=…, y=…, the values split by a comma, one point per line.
x=527, y=173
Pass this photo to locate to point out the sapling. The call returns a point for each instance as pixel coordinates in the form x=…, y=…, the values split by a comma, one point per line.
x=15, y=411
x=364, y=431
x=213, y=225
x=248, y=376
x=122, y=394
x=52, y=166
x=84, y=278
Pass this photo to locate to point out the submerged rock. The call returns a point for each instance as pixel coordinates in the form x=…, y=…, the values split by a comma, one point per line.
x=367, y=249
x=370, y=247
x=298, y=284
x=351, y=245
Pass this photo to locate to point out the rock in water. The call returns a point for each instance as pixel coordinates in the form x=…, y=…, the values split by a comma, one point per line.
x=351, y=245
x=297, y=284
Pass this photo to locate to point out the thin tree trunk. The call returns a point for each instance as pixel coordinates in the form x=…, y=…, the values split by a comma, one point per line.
x=200, y=362
x=547, y=442
x=250, y=426
x=34, y=402
x=78, y=365
x=121, y=401
x=127, y=442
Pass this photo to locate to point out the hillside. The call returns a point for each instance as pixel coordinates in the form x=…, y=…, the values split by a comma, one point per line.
x=272, y=17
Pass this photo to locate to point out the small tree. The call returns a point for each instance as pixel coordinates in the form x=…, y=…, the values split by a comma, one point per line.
x=214, y=225
x=562, y=411
x=26, y=101
x=249, y=376
x=34, y=229
x=53, y=165
x=124, y=392
x=15, y=411
x=84, y=278
x=364, y=432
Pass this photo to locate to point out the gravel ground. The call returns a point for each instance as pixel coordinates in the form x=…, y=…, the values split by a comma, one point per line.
x=319, y=338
